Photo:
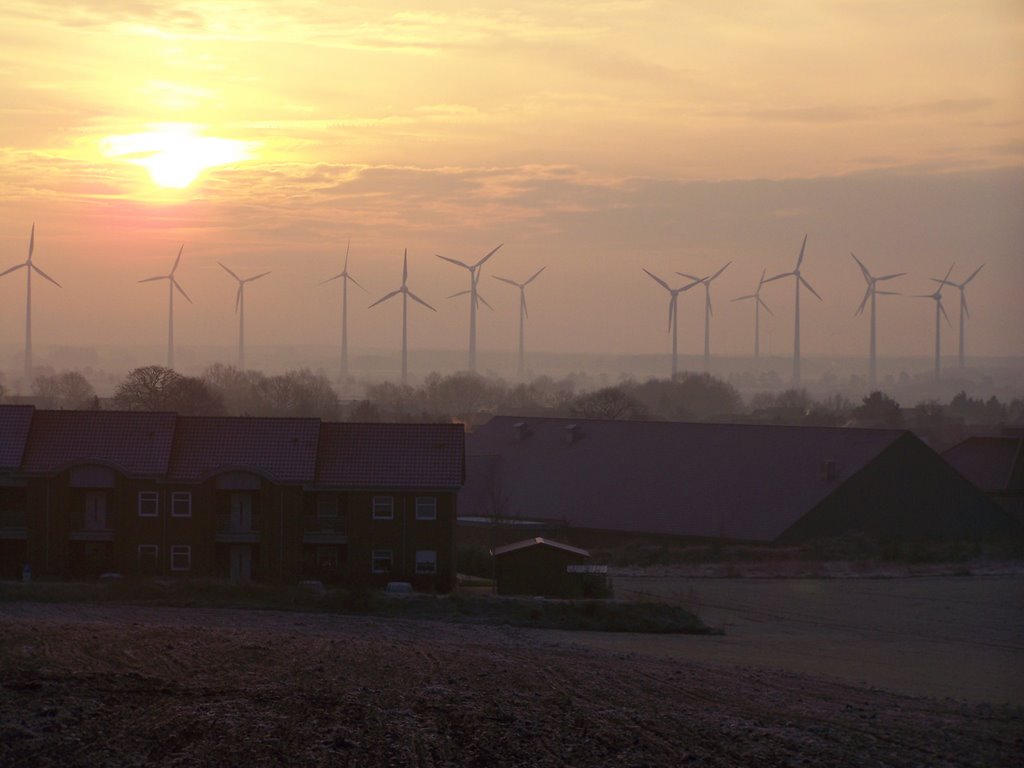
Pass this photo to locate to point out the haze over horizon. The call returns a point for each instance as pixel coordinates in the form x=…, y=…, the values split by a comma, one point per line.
x=595, y=141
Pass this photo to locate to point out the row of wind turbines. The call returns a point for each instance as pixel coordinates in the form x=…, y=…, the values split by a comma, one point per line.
x=871, y=293
x=173, y=285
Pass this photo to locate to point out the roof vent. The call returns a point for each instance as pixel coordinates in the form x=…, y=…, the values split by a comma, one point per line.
x=520, y=431
x=828, y=470
x=573, y=433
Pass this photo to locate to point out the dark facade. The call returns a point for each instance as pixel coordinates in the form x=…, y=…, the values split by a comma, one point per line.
x=538, y=566
x=143, y=494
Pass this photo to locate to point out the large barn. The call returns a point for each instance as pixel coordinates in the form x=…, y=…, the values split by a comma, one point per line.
x=734, y=482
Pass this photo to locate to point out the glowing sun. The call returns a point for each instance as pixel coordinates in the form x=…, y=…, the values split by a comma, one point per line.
x=174, y=153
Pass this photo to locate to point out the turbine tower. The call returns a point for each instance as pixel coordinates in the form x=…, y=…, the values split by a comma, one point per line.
x=240, y=309
x=940, y=312
x=758, y=303
x=29, y=268
x=796, y=316
x=474, y=299
x=345, y=277
x=522, y=314
x=870, y=293
x=172, y=283
x=708, y=311
x=673, y=314
x=406, y=295
x=964, y=312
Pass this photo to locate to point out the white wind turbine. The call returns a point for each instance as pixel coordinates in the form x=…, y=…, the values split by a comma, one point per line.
x=474, y=298
x=673, y=314
x=940, y=312
x=964, y=313
x=406, y=295
x=796, y=317
x=172, y=283
x=240, y=309
x=345, y=277
x=29, y=268
x=522, y=314
x=870, y=293
x=758, y=303
x=708, y=311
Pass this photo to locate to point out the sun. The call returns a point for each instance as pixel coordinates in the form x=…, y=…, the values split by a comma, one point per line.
x=175, y=154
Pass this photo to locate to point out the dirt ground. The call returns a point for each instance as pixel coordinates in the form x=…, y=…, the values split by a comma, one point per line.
x=112, y=685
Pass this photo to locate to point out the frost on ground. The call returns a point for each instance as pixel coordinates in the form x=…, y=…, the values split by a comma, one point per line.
x=116, y=685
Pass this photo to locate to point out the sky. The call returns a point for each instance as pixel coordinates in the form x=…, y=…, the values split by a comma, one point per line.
x=595, y=140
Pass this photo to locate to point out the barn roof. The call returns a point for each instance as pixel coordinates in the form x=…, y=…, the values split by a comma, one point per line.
x=281, y=449
x=391, y=455
x=991, y=463
x=15, y=421
x=539, y=541
x=735, y=481
x=135, y=443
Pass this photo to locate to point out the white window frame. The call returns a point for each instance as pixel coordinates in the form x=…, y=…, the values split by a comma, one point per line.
x=147, y=548
x=147, y=497
x=426, y=561
x=380, y=554
x=327, y=507
x=181, y=497
x=429, y=508
x=181, y=550
x=386, y=505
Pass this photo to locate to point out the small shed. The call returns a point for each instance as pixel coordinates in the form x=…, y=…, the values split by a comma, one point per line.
x=541, y=566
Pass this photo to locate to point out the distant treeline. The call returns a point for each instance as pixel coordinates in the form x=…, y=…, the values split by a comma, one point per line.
x=473, y=399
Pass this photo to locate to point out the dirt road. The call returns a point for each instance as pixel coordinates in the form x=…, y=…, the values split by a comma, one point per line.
x=113, y=685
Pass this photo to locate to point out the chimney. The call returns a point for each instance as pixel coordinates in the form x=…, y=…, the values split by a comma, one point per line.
x=573, y=434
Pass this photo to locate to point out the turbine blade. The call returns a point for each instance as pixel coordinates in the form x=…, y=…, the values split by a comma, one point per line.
x=888, y=293
x=230, y=272
x=17, y=266
x=691, y=277
x=460, y=293
x=506, y=280
x=973, y=274
x=809, y=287
x=37, y=269
x=385, y=298
x=759, y=282
x=890, y=277
x=711, y=309
x=349, y=277
x=347, y=246
x=147, y=280
x=522, y=301
x=238, y=296
x=485, y=258
x=719, y=272
x=671, y=311
x=454, y=261
x=535, y=274
x=177, y=260
x=863, y=269
x=748, y=296
x=943, y=310
x=32, y=241
x=767, y=308
x=329, y=279
x=658, y=280
x=864, y=302
x=949, y=272
x=256, y=277
x=963, y=300
x=800, y=258
x=483, y=301
x=780, y=276
x=405, y=266
x=180, y=290
x=414, y=297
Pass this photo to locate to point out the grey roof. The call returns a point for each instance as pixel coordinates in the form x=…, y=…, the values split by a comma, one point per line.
x=991, y=463
x=538, y=541
x=734, y=481
x=15, y=421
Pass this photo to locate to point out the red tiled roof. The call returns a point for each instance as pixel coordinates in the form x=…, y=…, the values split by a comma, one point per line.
x=391, y=455
x=15, y=421
x=135, y=443
x=991, y=463
x=283, y=450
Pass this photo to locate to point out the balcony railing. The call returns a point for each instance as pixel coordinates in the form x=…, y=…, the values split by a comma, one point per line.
x=324, y=530
x=236, y=529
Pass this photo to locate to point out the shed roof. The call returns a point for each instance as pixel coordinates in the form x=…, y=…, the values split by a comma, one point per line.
x=539, y=541
x=391, y=455
x=281, y=449
x=15, y=422
x=735, y=481
x=991, y=463
x=137, y=443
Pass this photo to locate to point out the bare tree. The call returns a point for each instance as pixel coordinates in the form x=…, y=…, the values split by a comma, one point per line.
x=64, y=390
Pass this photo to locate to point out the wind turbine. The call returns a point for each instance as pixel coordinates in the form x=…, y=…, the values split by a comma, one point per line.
x=522, y=314
x=345, y=277
x=406, y=295
x=29, y=268
x=939, y=310
x=708, y=312
x=964, y=312
x=758, y=303
x=240, y=309
x=172, y=283
x=474, y=298
x=673, y=314
x=796, y=317
x=870, y=293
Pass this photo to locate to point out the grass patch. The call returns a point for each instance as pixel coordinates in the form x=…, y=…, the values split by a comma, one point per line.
x=582, y=615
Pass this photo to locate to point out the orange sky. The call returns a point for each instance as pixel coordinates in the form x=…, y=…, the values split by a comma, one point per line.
x=595, y=140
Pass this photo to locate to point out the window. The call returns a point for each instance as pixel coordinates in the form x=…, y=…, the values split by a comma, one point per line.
x=149, y=503
x=95, y=518
x=327, y=506
x=181, y=504
x=181, y=557
x=383, y=507
x=426, y=508
x=381, y=561
x=148, y=553
x=426, y=561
